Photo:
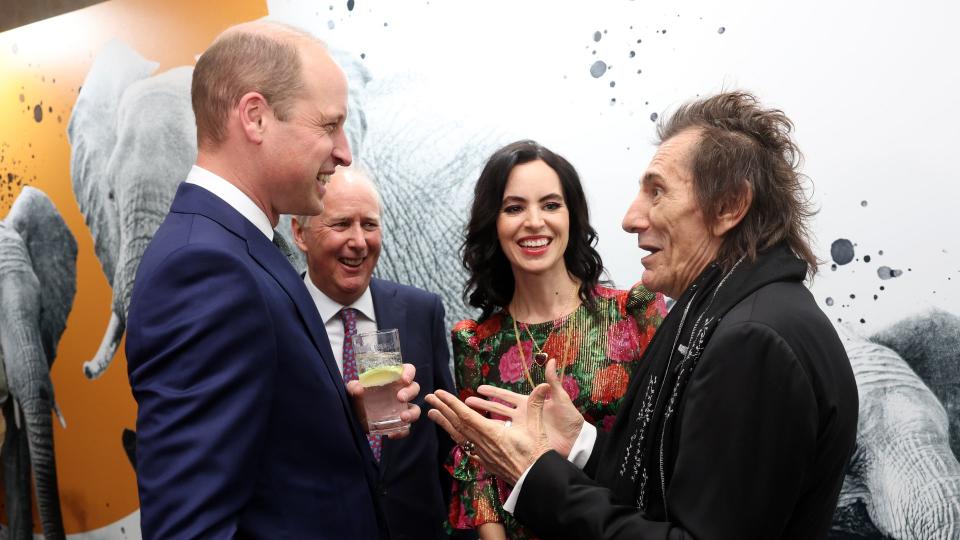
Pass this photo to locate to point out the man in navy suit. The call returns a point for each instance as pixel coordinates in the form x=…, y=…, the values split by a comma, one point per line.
x=342, y=245
x=244, y=426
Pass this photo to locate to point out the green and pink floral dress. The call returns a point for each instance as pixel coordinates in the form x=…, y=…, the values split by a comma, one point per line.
x=596, y=350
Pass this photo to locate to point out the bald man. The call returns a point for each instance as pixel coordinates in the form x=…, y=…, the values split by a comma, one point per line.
x=245, y=429
x=342, y=245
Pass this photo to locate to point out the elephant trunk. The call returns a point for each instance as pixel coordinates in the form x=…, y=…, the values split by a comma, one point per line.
x=29, y=381
x=903, y=456
x=95, y=367
x=39, y=427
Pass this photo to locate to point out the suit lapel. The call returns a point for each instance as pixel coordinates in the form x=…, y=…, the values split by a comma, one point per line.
x=196, y=200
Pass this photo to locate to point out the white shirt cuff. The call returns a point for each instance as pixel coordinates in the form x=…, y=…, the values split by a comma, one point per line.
x=579, y=455
x=583, y=446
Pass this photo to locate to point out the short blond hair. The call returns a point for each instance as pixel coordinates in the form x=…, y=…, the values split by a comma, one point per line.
x=245, y=60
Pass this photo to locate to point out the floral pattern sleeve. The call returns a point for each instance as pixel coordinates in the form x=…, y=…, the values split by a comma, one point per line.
x=473, y=499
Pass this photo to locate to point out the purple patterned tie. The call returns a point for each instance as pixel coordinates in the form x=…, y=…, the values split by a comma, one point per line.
x=349, y=318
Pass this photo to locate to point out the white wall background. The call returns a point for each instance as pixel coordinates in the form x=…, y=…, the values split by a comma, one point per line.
x=871, y=86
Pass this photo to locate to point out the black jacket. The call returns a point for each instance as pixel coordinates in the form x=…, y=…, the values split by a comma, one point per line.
x=765, y=430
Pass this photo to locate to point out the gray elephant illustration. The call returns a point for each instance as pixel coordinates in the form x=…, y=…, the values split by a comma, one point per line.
x=904, y=478
x=133, y=140
x=38, y=275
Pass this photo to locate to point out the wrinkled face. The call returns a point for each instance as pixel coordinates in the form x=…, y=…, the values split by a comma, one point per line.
x=343, y=243
x=534, y=223
x=306, y=147
x=668, y=221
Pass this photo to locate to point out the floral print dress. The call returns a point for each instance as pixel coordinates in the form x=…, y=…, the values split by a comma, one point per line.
x=596, y=351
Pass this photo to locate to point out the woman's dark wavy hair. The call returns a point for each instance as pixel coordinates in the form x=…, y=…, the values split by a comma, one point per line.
x=491, y=282
x=744, y=144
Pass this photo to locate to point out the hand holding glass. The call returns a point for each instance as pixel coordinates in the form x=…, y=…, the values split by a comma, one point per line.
x=380, y=365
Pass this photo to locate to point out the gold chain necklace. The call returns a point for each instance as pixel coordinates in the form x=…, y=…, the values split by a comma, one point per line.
x=523, y=359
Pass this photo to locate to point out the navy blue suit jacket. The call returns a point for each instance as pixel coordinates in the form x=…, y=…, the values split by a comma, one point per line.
x=412, y=482
x=244, y=426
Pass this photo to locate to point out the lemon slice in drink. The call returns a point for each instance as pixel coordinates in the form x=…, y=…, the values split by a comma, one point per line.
x=380, y=375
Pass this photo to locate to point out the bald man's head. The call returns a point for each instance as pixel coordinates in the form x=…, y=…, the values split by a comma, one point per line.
x=346, y=182
x=342, y=244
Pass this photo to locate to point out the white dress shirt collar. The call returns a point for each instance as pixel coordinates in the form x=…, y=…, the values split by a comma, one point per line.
x=231, y=195
x=329, y=309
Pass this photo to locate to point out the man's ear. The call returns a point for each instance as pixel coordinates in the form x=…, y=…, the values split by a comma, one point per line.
x=297, y=230
x=733, y=211
x=254, y=113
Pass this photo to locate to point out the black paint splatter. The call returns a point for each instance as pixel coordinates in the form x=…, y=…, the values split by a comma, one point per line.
x=863, y=204
x=653, y=117
x=885, y=272
x=350, y=5
x=613, y=84
x=829, y=301
x=597, y=35
x=721, y=30
x=841, y=251
x=598, y=69
x=866, y=258
x=632, y=54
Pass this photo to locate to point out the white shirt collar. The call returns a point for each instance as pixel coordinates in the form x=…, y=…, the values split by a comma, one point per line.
x=231, y=195
x=329, y=309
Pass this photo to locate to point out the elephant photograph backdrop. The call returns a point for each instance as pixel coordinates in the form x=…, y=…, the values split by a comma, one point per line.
x=95, y=115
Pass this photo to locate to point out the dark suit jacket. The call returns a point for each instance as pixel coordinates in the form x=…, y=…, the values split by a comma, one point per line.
x=412, y=482
x=766, y=429
x=244, y=427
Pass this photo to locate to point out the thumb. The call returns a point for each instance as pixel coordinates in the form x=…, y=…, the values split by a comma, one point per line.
x=535, y=406
x=553, y=379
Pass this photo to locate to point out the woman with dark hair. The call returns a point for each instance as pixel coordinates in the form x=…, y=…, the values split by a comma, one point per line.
x=535, y=275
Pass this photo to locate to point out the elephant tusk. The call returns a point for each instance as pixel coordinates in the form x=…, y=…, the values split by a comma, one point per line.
x=63, y=421
x=16, y=412
x=108, y=347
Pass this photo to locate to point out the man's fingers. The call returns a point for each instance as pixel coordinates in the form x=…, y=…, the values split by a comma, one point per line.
x=550, y=370
x=355, y=392
x=409, y=392
x=502, y=394
x=535, y=406
x=489, y=406
x=409, y=372
x=437, y=418
x=411, y=414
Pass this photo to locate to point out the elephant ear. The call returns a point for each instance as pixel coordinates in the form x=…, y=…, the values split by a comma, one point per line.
x=92, y=133
x=358, y=76
x=296, y=257
x=53, y=252
x=930, y=343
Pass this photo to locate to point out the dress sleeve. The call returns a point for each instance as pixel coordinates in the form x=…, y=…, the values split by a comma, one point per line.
x=474, y=496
